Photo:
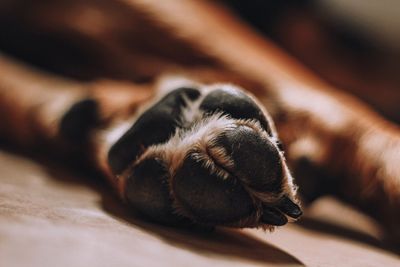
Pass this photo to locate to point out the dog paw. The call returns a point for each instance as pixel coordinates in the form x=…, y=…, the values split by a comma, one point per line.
x=209, y=155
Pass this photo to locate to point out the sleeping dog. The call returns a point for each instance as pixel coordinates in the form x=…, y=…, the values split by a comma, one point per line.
x=184, y=153
x=193, y=136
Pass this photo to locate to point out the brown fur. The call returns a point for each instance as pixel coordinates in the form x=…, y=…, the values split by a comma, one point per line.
x=334, y=132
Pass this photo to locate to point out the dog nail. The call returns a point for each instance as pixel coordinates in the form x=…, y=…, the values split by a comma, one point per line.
x=273, y=217
x=290, y=208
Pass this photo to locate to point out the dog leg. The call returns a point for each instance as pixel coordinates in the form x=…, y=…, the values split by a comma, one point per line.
x=344, y=147
x=200, y=154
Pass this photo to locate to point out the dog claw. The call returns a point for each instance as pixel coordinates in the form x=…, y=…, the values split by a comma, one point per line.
x=290, y=208
x=274, y=217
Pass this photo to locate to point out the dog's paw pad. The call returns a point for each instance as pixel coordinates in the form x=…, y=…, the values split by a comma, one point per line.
x=154, y=126
x=147, y=188
x=211, y=156
x=207, y=198
x=78, y=120
x=256, y=161
x=235, y=103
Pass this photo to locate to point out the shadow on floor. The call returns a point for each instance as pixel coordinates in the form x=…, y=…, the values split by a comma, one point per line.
x=326, y=227
x=220, y=242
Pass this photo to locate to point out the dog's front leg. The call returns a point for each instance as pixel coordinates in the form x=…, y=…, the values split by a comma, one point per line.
x=177, y=151
x=331, y=134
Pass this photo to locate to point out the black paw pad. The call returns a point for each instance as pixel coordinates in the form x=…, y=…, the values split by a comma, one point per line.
x=147, y=190
x=79, y=119
x=236, y=104
x=209, y=198
x=256, y=160
x=154, y=126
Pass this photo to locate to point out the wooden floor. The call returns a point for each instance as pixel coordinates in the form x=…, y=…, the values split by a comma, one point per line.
x=50, y=216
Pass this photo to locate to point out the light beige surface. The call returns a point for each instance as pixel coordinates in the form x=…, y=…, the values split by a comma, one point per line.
x=50, y=216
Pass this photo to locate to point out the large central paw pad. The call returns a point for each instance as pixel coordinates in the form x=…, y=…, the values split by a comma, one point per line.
x=209, y=155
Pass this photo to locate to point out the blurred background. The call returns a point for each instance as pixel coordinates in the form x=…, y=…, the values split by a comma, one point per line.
x=355, y=45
